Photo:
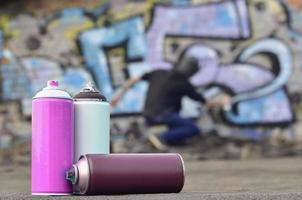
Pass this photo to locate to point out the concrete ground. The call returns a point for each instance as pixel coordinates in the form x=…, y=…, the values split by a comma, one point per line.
x=252, y=179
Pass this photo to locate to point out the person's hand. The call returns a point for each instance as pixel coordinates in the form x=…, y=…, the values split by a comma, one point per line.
x=226, y=100
x=212, y=103
x=120, y=93
x=114, y=101
x=220, y=101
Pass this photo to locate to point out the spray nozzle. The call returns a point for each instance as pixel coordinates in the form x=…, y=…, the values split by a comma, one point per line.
x=52, y=83
x=71, y=175
x=90, y=87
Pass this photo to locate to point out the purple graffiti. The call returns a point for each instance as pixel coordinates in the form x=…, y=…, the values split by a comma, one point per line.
x=263, y=99
x=225, y=20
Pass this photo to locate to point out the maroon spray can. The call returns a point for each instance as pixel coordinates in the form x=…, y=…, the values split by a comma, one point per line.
x=127, y=174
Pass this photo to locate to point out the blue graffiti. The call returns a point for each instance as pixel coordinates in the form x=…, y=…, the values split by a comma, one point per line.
x=180, y=21
x=263, y=99
x=72, y=14
x=15, y=82
x=272, y=46
x=24, y=76
x=129, y=32
x=259, y=87
x=101, y=10
x=272, y=109
x=181, y=2
x=74, y=79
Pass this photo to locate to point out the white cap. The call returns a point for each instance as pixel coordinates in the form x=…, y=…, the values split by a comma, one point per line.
x=52, y=90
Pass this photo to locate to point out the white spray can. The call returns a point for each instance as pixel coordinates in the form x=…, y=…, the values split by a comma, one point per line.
x=92, y=122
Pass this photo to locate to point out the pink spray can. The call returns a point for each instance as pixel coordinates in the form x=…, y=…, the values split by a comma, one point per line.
x=52, y=140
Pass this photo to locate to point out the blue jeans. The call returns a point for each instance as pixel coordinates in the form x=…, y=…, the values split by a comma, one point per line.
x=179, y=128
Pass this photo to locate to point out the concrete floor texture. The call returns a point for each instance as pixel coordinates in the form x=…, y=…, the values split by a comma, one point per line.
x=250, y=179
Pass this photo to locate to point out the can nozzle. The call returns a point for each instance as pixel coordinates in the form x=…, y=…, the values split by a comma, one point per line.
x=90, y=87
x=52, y=83
x=71, y=175
x=89, y=92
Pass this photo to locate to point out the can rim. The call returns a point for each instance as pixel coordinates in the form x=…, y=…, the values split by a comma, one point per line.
x=183, y=169
x=83, y=185
x=51, y=193
x=51, y=97
x=88, y=99
x=52, y=91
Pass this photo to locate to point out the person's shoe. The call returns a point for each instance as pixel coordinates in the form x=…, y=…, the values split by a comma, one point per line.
x=153, y=136
x=157, y=143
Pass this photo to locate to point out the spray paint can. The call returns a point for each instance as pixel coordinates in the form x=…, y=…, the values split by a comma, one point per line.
x=52, y=140
x=92, y=122
x=127, y=173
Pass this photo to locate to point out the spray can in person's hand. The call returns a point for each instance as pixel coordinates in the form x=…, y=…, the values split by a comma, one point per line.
x=127, y=174
x=92, y=122
x=52, y=140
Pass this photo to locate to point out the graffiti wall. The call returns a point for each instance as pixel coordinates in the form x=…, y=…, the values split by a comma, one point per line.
x=250, y=49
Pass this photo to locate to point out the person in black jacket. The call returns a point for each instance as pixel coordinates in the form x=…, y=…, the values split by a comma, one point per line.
x=163, y=102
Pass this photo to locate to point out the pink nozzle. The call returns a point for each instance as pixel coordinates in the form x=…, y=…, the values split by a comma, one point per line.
x=53, y=83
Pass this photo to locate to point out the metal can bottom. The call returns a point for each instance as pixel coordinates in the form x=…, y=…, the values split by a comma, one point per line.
x=50, y=194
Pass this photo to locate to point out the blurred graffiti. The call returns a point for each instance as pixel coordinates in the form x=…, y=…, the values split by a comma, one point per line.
x=247, y=48
x=229, y=20
x=259, y=96
x=224, y=20
x=96, y=43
